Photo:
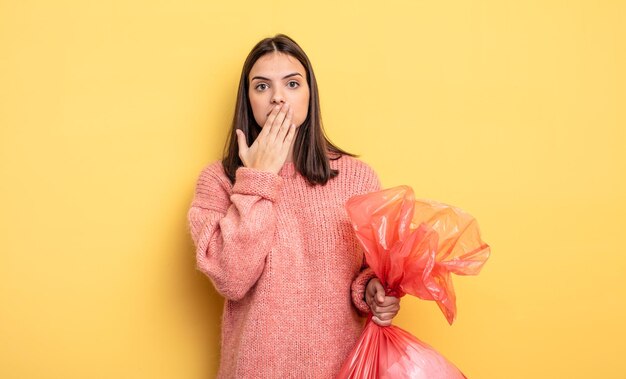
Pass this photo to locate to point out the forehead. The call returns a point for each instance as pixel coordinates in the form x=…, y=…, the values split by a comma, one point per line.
x=276, y=64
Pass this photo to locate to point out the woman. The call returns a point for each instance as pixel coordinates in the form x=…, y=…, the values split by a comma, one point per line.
x=272, y=233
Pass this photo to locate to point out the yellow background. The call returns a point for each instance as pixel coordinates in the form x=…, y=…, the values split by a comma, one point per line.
x=511, y=110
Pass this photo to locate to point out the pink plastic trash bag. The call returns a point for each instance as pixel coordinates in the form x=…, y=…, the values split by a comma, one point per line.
x=412, y=247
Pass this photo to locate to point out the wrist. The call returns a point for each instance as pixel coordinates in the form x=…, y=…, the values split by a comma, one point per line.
x=265, y=167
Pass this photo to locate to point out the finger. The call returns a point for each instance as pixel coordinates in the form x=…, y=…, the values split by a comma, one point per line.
x=291, y=134
x=377, y=310
x=381, y=322
x=287, y=143
x=285, y=127
x=278, y=120
x=270, y=118
x=386, y=316
x=388, y=308
x=269, y=121
x=389, y=300
x=241, y=141
x=380, y=293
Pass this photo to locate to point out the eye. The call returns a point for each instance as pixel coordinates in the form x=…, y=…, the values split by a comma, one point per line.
x=293, y=84
x=261, y=87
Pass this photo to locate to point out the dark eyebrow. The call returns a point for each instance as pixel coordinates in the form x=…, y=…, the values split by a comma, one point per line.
x=294, y=74
x=285, y=77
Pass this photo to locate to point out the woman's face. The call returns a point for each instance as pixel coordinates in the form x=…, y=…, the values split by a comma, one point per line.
x=278, y=78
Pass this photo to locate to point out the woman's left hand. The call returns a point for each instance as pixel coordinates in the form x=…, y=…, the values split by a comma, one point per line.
x=384, y=308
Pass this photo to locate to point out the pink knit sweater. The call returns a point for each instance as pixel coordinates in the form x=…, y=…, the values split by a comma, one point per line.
x=284, y=256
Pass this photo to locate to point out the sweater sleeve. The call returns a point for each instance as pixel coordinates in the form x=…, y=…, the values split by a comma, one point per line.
x=358, y=289
x=372, y=184
x=233, y=228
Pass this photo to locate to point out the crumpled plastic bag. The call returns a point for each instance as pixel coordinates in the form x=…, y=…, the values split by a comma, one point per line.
x=389, y=352
x=413, y=247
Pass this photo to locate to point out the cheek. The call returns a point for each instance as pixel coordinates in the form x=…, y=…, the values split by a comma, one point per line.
x=302, y=110
x=259, y=117
x=258, y=110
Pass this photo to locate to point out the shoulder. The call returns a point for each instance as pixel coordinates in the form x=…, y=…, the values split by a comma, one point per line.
x=213, y=170
x=212, y=186
x=213, y=174
x=356, y=171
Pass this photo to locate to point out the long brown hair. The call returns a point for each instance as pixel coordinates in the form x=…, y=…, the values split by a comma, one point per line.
x=312, y=149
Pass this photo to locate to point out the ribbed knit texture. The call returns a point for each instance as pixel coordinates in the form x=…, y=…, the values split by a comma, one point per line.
x=285, y=258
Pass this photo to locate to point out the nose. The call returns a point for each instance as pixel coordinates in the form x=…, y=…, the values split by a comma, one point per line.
x=277, y=97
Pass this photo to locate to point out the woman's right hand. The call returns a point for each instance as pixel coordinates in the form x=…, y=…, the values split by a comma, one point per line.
x=384, y=308
x=273, y=145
